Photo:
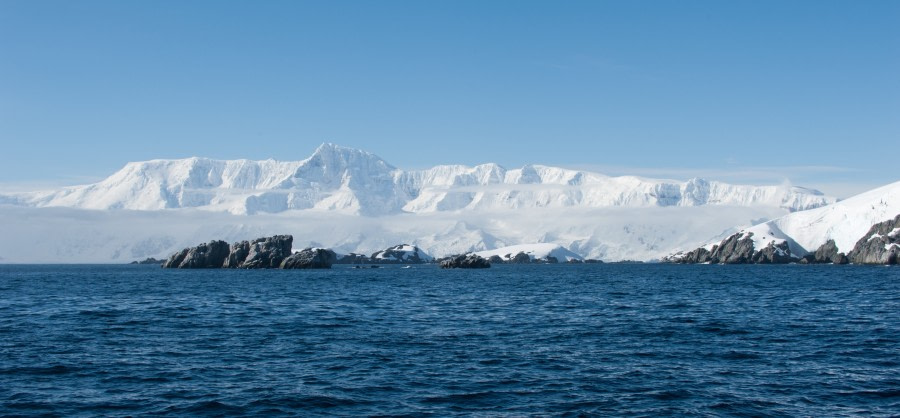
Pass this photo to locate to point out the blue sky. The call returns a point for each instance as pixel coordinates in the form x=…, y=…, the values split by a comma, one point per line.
x=744, y=91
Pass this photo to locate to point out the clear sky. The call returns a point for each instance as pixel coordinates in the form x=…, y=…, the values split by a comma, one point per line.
x=744, y=91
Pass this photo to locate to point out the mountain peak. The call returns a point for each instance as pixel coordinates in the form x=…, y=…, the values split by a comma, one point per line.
x=336, y=156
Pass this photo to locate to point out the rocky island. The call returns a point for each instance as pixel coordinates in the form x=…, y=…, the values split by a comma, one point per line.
x=266, y=253
x=465, y=261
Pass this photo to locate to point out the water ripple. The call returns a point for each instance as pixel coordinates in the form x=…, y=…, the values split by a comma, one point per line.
x=556, y=340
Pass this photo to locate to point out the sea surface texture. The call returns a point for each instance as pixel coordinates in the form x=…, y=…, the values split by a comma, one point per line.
x=510, y=340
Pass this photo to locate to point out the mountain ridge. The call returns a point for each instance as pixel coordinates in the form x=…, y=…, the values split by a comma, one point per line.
x=358, y=182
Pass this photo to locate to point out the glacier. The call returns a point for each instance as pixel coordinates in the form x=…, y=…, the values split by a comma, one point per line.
x=353, y=201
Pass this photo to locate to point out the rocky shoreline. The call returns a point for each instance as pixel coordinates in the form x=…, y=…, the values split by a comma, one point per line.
x=880, y=245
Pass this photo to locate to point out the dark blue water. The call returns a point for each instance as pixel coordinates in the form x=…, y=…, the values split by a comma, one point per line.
x=514, y=340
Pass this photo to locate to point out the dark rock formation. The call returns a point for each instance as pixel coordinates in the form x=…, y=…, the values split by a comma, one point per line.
x=310, y=258
x=237, y=254
x=465, y=261
x=260, y=253
x=592, y=261
x=737, y=249
x=148, y=261
x=203, y=256
x=698, y=256
x=552, y=260
x=520, y=258
x=268, y=252
x=773, y=254
x=495, y=259
x=827, y=253
x=881, y=245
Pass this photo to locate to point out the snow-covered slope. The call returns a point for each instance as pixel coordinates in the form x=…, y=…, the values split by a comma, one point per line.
x=845, y=222
x=338, y=179
x=802, y=233
x=533, y=251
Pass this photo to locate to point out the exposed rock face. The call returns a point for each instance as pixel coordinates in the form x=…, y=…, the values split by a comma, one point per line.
x=520, y=258
x=881, y=245
x=465, y=261
x=826, y=253
x=700, y=255
x=260, y=253
x=495, y=259
x=737, y=249
x=310, y=258
x=203, y=256
x=237, y=254
x=773, y=254
x=268, y=252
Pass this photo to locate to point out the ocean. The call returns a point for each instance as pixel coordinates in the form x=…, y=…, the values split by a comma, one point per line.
x=570, y=340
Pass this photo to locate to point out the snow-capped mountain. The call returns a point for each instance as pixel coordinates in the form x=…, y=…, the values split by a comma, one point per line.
x=353, y=201
x=338, y=179
x=801, y=233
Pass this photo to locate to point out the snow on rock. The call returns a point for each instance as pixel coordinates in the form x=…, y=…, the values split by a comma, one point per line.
x=845, y=222
x=541, y=251
x=403, y=253
x=838, y=226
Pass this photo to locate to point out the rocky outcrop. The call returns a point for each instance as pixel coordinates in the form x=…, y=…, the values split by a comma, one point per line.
x=260, y=253
x=203, y=256
x=881, y=245
x=773, y=254
x=737, y=249
x=827, y=253
x=268, y=252
x=237, y=254
x=310, y=258
x=465, y=261
x=520, y=258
